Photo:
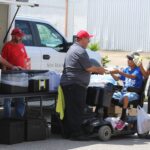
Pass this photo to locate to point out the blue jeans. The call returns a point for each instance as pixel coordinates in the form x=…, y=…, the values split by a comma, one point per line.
x=19, y=107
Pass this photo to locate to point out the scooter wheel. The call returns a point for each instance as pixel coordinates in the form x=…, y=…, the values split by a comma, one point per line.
x=142, y=136
x=104, y=133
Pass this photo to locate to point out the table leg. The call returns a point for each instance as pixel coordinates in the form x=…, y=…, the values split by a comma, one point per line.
x=41, y=107
x=26, y=107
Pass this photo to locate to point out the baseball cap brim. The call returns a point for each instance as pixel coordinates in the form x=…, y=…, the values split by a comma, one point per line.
x=90, y=36
x=129, y=57
x=20, y=35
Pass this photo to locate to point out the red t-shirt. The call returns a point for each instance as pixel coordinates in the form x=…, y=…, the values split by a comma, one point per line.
x=15, y=54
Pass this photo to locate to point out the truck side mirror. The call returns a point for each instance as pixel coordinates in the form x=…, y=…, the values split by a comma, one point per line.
x=69, y=44
x=74, y=38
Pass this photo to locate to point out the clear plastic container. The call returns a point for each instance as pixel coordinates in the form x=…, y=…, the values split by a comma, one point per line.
x=14, y=82
x=15, y=79
x=39, y=76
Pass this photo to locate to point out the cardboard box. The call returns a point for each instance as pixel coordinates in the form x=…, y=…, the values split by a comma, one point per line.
x=115, y=110
x=132, y=112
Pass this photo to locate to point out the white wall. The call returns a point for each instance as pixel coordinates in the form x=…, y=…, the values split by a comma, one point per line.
x=80, y=15
x=120, y=24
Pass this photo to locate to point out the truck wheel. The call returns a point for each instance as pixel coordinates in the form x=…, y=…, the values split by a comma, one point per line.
x=142, y=136
x=104, y=133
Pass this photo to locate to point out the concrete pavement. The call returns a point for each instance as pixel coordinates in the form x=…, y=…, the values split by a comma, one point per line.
x=57, y=143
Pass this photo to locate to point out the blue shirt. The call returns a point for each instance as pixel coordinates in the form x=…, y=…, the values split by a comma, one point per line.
x=136, y=82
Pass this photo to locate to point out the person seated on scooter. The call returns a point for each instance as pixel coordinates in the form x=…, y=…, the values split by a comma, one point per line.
x=131, y=77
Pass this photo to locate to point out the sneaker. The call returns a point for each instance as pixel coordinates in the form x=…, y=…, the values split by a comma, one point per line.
x=120, y=125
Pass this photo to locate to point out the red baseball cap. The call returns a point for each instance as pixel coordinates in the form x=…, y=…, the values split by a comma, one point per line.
x=17, y=32
x=83, y=34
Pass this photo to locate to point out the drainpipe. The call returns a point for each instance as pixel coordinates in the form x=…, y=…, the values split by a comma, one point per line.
x=66, y=17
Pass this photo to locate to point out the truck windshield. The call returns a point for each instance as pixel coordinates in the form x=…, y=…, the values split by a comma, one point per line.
x=49, y=37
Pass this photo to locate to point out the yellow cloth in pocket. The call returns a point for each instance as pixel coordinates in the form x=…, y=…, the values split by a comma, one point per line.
x=60, y=106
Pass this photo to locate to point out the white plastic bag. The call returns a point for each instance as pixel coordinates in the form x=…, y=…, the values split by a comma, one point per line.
x=113, y=121
x=143, y=121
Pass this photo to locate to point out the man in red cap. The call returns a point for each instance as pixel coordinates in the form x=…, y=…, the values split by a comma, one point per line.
x=74, y=82
x=14, y=52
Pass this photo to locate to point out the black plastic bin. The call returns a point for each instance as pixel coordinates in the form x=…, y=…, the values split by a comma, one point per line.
x=11, y=89
x=35, y=129
x=100, y=96
x=13, y=82
x=38, y=81
x=11, y=131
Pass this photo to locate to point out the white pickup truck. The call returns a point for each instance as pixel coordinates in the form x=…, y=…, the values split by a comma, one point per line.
x=45, y=45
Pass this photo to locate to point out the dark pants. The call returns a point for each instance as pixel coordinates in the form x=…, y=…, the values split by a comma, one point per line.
x=75, y=101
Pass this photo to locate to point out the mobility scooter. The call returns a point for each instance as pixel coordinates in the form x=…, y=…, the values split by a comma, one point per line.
x=101, y=98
